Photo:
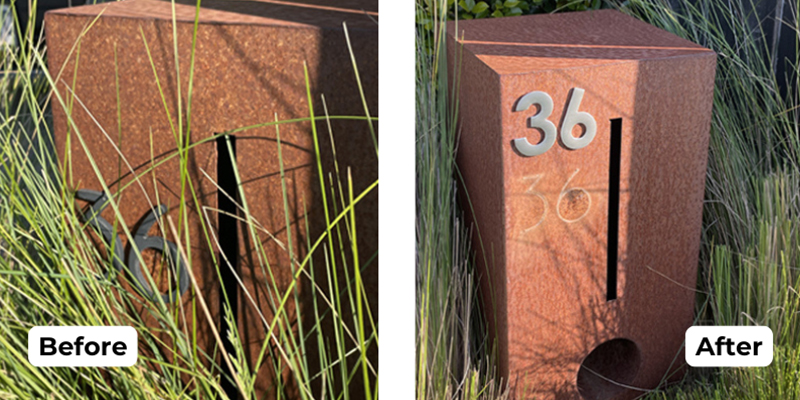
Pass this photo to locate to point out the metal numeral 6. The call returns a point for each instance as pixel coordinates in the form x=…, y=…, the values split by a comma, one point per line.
x=98, y=202
x=572, y=117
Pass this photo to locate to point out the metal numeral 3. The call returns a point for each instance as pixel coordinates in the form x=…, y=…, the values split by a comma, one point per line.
x=539, y=121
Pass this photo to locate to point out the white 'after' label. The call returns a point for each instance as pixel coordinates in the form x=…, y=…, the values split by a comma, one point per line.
x=729, y=346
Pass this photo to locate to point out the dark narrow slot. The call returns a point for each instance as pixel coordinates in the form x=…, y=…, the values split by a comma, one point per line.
x=613, y=209
x=228, y=245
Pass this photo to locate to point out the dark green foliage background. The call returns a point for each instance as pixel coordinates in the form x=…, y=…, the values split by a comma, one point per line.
x=471, y=9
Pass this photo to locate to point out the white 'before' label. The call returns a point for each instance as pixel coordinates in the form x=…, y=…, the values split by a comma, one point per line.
x=83, y=346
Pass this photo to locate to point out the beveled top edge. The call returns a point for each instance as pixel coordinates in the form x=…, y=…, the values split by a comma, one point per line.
x=299, y=14
x=515, y=45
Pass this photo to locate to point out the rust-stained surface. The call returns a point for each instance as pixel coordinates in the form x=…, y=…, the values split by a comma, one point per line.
x=544, y=220
x=248, y=67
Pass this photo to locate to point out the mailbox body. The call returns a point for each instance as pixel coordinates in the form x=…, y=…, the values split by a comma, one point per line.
x=248, y=70
x=552, y=292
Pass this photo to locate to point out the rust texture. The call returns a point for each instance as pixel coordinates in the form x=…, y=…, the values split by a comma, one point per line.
x=544, y=220
x=248, y=69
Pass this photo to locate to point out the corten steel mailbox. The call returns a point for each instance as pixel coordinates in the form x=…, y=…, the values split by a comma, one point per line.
x=583, y=149
x=248, y=67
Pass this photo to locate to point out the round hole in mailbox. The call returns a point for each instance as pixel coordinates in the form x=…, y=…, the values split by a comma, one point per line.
x=607, y=368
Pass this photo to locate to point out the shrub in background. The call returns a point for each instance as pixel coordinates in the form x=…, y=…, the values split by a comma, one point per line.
x=471, y=9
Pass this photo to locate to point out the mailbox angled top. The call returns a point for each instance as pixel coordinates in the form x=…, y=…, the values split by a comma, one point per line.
x=315, y=14
x=518, y=45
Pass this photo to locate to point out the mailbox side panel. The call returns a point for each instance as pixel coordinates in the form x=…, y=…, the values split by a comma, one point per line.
x=664, y=221
x=479, y=160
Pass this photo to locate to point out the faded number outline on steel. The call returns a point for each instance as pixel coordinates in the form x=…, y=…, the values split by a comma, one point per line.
x=540, y=121
x=98, y=202
x=564, y=191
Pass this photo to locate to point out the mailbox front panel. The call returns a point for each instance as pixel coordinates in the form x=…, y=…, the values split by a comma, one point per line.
x=602, y=241
x=557, y=218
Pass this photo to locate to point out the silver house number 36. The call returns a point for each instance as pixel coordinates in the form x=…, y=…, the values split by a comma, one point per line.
x=540, y=121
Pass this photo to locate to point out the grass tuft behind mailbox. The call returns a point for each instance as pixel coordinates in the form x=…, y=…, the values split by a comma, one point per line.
x=583, y=150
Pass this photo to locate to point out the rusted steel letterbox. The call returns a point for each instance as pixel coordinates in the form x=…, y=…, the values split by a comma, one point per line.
x=583, y=149
x=248, y=67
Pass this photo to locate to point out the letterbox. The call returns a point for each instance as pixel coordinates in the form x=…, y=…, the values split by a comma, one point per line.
x=583, y=148
x=113, y=62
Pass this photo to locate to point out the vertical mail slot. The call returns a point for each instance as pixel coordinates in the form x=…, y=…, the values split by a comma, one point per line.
x=584, y=139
